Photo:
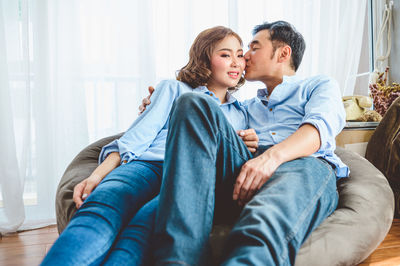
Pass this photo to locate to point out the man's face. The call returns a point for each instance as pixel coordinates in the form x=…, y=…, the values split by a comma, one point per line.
x=260, y=58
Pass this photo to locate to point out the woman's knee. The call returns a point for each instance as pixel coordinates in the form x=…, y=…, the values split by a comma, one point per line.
x=147, y=214
x=131, y=177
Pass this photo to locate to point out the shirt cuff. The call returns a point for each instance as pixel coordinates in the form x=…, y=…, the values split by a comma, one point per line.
x=320, y=126
x=106, y=150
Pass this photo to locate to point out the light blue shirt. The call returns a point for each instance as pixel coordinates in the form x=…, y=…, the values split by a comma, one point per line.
x=294, y=102
x=146, y=137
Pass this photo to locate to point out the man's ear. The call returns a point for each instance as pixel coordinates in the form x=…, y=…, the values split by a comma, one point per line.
x=285, y=54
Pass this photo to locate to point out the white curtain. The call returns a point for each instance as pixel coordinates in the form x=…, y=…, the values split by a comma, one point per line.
x=333, y=31
x=11, y=180
x=74, y=71
x=380, y=12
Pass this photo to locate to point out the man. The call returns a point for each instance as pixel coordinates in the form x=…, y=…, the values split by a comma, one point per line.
x=284, y=192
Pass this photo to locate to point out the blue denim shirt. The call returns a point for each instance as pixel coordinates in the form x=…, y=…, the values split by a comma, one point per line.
x=145, y=139
x=294, y=102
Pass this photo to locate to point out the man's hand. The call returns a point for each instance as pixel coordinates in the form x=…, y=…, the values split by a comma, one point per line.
x=250, y=138
x=84, y=188
x=146, y=101
x=254, y=174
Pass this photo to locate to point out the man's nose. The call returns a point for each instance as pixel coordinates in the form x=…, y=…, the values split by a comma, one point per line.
x=247, y=56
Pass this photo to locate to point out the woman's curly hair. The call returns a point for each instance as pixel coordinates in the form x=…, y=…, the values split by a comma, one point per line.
x=197, y=71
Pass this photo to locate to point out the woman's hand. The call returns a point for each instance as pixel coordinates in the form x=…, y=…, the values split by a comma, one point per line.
x=84, y=188
x=250, y=138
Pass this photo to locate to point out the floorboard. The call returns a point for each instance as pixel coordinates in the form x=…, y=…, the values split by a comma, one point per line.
x=29, y=247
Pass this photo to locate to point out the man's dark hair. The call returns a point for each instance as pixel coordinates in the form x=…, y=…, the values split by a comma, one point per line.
x=284, y=32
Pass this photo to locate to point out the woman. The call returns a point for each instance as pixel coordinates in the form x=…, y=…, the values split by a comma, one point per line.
x=110, y=225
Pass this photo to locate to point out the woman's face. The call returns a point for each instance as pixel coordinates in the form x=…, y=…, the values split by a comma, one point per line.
x=227, y=64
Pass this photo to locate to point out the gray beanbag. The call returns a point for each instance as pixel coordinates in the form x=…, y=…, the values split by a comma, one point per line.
x=360, y=223
x=80, y=168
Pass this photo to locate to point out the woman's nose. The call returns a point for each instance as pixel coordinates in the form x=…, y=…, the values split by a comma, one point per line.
x=234, y=62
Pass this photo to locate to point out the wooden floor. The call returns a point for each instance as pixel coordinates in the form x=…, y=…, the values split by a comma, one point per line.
x=388, y=252
x=29, y=247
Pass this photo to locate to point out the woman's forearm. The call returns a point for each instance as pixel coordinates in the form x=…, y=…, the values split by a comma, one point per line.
x=111, y=162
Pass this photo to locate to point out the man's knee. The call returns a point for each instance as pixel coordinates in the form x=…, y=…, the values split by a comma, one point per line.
x=193, y=101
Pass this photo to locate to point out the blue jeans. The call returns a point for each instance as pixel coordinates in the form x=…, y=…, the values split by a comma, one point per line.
x=132, y=246
x=203, y=157
x=109, y=223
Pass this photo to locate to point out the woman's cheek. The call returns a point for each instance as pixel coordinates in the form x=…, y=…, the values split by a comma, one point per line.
x=242, y=64
x=220, y=62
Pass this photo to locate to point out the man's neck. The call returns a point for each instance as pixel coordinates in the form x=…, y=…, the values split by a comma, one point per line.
x=272, y=82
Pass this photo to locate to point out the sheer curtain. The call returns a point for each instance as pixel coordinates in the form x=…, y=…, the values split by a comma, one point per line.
x=382, y=48
x=74, y=71
x=333, y=31
x=42, y=69
x=10, y=178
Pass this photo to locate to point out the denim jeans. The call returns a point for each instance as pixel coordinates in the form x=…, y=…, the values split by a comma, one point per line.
x=132, y=246
x=203, y=157
x=109, y=222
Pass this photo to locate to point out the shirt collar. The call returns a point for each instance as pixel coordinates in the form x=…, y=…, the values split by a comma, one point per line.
x=291, y=79
x=202, y=89
x=262, y=94
x=230, y=99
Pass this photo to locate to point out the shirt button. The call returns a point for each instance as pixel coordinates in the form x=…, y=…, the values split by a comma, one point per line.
x=273, y=133
x=125, y=161
x=270, y=109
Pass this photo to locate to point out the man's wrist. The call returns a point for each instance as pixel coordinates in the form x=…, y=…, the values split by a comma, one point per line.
x=273, y=154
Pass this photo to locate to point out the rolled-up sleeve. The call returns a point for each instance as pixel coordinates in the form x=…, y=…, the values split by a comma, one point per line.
x=146, y=127
x=106, y=150
x=324, y=110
